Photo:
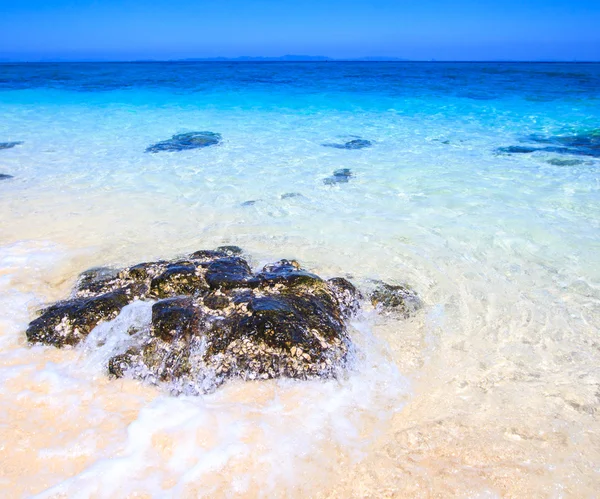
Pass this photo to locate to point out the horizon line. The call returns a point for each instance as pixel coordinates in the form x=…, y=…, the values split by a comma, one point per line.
x=268, y=60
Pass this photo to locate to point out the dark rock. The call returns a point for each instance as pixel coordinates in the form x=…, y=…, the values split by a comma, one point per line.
x=185, y=141
x=583, y=144
x=252, y=202
x=397, y=298
x=67, y=323
x=231, y=250
x=174, y=318
x=289, y=195
x=227, y=273
x=5, y=176
x=208, y=255
x=347, y=295
x=352, y=144
x=120, y=364
x=178, y=279
x=98, y=280
x=288, y=273
x=517, y=150
x=339, y=176
x=216, y=302
x=565, y=162
x=9, y=145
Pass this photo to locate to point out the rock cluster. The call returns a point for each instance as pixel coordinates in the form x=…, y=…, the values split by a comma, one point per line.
x=213, y=317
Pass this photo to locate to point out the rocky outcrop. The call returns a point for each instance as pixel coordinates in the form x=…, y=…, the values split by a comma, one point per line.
x=186, y=141
x=214, y=318
x=5, y=176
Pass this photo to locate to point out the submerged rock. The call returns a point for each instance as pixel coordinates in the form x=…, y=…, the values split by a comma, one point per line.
x=396, y=298
x=583, y=144
x=351, y=144
x=5, y=176
x=565, y=162
x=185, y=141
x=339, y=177
x=213, y=318
x=9, y=145
x=517, y=149
x=290, y=195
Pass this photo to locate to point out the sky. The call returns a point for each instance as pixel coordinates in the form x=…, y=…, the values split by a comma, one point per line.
x=34, y=30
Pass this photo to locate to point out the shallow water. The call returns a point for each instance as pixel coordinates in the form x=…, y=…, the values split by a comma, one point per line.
x=492, y=390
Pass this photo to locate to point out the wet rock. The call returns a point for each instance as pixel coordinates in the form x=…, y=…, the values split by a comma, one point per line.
x=98, y=280
x=397, y=298
x=216, y=302
x=288, y=273
x=178, y=279
x=216, y=319
x=347, y=295
x=186, y=141
x=339, y=176
x=174, y=318
x=120, y=364
x=9, y=145
x=351, y=144
x=231, y=250
x=5, y=176
x=231, y=272
x=67, y=323
x=208, y=255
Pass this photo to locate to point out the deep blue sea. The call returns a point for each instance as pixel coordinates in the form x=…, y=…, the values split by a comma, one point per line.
x=476, y=183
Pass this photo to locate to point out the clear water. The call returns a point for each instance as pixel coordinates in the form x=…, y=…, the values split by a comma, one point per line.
x=492, y=390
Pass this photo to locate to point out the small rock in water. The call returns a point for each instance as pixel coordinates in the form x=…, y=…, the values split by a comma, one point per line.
x=397, y=298
x=185, y=141
x=289, y=195
x=351, y=144
x=517, y=150
x=214, y=319
x=565, y=162
x=5, y=176
x=231, y=250
x=339, y=177
x=9, y=145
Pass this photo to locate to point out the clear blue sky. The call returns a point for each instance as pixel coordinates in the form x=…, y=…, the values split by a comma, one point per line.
x=413, y=29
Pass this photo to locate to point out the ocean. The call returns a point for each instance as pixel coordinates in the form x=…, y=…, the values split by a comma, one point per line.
x=480, y=188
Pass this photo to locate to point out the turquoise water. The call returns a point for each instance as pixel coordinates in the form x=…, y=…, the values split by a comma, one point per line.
x=503, y=247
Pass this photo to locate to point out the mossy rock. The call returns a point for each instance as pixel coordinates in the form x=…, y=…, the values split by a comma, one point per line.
x=68, y=322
